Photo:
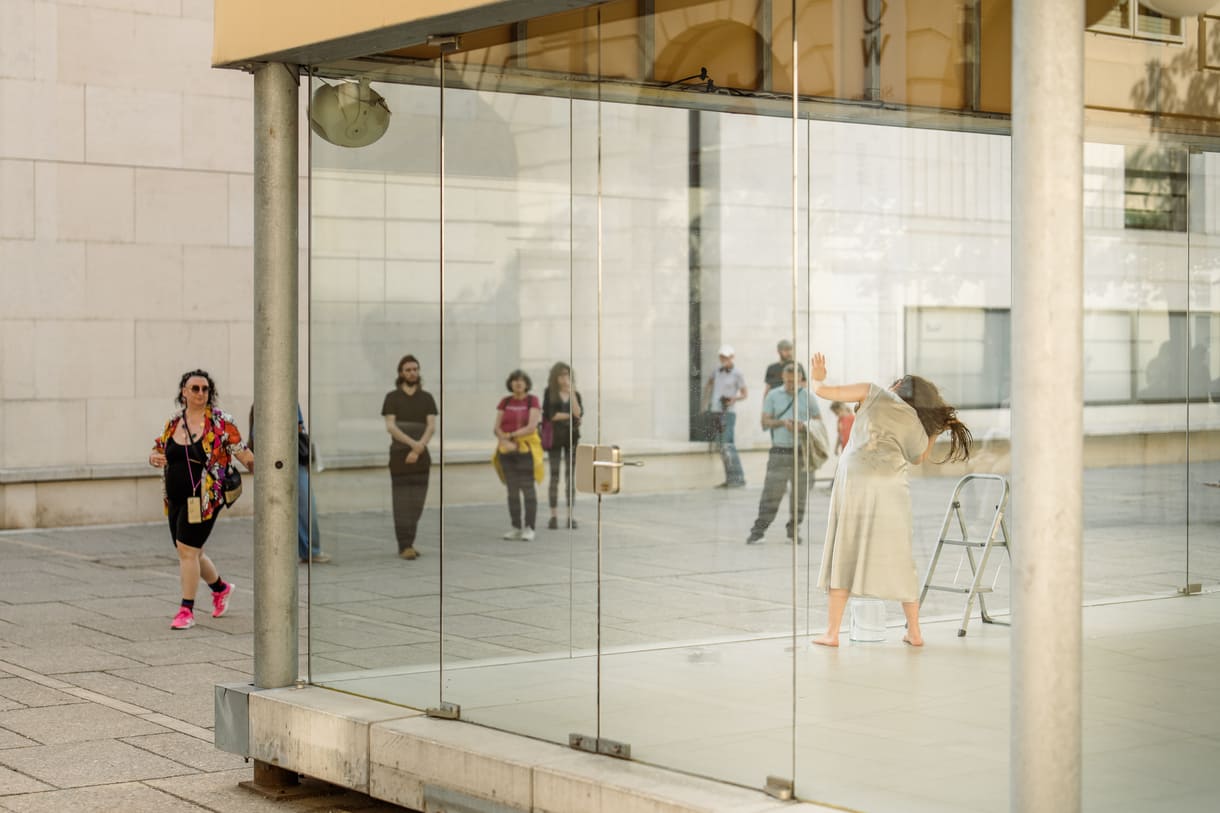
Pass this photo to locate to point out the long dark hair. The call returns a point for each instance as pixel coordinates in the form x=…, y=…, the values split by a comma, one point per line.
x=935, y=415
x=398, y=380
x=552, y=380
x=212, y=393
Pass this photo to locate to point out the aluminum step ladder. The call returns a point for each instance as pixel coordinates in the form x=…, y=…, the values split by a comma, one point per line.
x=997, y=537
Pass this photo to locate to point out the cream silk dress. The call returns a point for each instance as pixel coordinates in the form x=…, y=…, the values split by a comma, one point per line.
x=868, y=529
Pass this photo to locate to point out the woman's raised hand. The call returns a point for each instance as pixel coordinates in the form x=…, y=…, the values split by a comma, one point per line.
x=817, y=367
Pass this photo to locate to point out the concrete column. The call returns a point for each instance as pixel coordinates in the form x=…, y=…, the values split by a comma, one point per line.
x=275, y=375
x=1047, y=391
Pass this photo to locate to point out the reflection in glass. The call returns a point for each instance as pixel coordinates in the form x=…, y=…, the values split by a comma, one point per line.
x=374, y=612
x=615, y=203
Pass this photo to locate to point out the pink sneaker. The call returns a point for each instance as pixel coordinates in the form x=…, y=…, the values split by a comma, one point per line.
x=184, y=620
x=220, y=601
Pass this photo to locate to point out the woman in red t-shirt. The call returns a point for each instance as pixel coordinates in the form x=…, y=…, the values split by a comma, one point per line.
x=517, y=417
x=846, y=418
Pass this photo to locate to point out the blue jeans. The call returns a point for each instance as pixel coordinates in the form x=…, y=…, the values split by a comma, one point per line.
x=728, y=451
x=307, y=514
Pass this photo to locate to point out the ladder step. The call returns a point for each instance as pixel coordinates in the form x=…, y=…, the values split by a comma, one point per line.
x=966, y=544
x=945, y=588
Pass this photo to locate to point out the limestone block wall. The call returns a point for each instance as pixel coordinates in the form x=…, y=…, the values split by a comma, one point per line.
x=125, y=245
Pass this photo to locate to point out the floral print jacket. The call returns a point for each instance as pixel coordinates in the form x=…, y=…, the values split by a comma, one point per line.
x=221, y=440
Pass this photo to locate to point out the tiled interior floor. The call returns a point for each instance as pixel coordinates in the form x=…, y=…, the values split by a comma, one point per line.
x=700, y=671
x=881, y=726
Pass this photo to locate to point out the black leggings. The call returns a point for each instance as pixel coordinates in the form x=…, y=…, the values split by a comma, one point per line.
x=519, y=477
x=560, y=456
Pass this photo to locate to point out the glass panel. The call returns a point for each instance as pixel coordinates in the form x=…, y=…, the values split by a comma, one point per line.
x=1203, y=373
x=616, y=195
x=1137, y=488
x=374, y=618
x=1136, y=342
x=909, y=242
x=519, y=595
x=697, y=289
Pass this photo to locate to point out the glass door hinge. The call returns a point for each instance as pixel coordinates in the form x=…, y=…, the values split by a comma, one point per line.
x=779, y=787
x=446, y=711
x=594, y=745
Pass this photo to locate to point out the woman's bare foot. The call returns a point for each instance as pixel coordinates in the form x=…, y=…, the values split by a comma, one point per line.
x=913, y=638
x=826, y=640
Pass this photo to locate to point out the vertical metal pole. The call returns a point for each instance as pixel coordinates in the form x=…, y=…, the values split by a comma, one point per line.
x=793, y=499
x=275, y=374
x=1047, y=361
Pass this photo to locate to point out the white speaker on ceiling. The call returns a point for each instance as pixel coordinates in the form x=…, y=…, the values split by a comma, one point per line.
x=349, y=114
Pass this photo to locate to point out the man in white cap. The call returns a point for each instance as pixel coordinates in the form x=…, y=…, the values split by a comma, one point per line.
x=724, y=388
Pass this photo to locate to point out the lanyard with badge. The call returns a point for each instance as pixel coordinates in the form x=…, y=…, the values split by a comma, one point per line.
x=194, y=503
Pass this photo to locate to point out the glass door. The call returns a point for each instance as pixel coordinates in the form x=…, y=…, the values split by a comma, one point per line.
x=693, y=270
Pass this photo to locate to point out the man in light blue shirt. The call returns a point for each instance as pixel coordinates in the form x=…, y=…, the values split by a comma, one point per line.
x=782, y=409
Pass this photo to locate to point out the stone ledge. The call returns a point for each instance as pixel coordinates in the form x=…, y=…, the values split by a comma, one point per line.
x=398, y=755
x=317, y=732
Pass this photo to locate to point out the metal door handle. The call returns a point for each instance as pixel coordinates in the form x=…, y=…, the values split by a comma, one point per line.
x=597, y=468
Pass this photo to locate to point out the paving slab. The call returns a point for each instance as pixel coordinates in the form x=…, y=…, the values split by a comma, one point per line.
x=192, y=705
x=182, y=678
x=193, y=650
x=148, y=629
x=27, y=693
x=128, y=606
x=15, y=782
x=220, y=791
x=199, y=754
x=128, y=797
x=82, y=722
x=11, y=739
x=64, y=635
x=51, y=612
x=55, y=660
x=98, y=762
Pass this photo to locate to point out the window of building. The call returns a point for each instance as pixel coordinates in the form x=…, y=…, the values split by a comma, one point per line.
x=1135, y=19
x=1108, y=371
x=1130, y=357
x=1173, y=353
x=1154, y=188
x=965, y=351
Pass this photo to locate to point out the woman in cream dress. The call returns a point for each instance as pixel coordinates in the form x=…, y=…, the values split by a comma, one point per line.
x=868, y=530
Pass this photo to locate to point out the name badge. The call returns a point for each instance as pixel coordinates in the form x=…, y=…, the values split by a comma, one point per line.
x=194, y=510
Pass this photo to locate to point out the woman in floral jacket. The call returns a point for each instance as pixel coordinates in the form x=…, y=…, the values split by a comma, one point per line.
x=193, y=452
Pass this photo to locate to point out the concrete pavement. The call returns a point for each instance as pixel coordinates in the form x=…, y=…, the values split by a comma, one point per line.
x=102, y=706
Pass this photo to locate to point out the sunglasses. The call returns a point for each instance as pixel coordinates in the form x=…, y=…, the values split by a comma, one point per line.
x=199, y=388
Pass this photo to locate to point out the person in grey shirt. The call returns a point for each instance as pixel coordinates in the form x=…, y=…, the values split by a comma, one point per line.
x=724, y=388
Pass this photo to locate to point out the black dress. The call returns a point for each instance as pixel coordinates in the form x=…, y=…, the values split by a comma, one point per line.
x=182, y=482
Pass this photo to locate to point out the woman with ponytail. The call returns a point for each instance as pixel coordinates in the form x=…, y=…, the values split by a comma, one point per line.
x=868, y=529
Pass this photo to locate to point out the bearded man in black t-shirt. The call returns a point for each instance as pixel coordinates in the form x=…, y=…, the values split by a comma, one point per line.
x=773, y=379
x=410, y=418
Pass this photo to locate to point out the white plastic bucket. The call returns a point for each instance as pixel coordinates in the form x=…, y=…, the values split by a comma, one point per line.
x=867, y=620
